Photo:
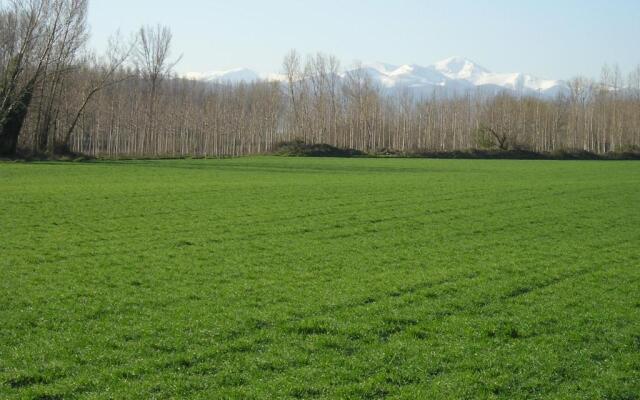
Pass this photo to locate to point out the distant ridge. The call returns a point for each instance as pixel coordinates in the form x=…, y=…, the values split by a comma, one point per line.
x=454, y=75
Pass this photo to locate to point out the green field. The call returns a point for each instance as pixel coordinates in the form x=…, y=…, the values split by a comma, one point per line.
x=320, y=278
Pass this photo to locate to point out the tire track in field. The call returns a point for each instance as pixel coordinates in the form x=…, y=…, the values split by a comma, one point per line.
x=254, y=236
x=288, y=325
x=400, y=220
x=478, y=307
x=252, y=223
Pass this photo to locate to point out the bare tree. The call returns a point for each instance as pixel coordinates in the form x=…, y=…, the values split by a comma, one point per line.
x=23, y=25
x=62, y=63
x=153, y=60
x=39, y=40
x=116, y=55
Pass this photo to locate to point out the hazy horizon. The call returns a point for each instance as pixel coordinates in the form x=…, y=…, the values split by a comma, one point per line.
x=546, y=38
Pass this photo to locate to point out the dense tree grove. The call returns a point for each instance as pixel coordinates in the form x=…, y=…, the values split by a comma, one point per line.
x=55, y=96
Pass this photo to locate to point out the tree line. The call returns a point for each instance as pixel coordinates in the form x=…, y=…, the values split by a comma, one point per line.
x=56, y=96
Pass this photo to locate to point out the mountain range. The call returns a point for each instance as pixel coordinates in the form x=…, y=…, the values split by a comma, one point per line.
x=455, y=75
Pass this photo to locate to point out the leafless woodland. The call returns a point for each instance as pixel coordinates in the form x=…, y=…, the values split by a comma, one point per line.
x=57, y=96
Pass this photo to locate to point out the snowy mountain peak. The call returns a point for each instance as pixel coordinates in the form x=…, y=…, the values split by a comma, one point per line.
x=404, y=69
x=459, y=68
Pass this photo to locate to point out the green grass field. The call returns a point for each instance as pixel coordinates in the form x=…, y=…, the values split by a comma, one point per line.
x=320, y=278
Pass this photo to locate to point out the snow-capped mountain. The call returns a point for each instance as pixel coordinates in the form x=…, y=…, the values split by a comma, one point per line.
x=459, y=75
x=455, y=75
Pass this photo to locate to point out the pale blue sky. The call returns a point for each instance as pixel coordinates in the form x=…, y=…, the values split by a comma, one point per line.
x=548, y=38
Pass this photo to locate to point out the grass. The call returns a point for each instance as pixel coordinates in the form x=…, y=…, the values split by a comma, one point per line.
x=320, y=278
